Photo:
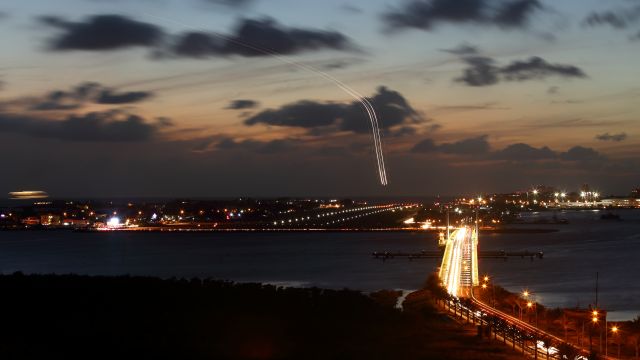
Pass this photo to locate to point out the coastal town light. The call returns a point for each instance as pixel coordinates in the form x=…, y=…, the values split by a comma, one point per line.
x=113, y=222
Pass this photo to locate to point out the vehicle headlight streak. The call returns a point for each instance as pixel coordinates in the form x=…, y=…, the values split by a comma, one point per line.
x=451, y=269
x=366, y=104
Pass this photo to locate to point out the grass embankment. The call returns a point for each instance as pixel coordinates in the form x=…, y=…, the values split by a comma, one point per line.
x=137, y=317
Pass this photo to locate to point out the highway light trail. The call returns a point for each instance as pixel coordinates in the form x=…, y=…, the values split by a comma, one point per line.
x=366, y=104
x=452, y=271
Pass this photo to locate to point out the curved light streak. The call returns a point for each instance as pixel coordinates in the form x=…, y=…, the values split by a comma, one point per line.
x=366, y=104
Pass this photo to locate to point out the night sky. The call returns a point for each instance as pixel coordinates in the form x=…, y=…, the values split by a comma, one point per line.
x=103, y=98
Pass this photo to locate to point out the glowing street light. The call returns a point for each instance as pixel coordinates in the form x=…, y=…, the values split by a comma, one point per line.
x=525, y=293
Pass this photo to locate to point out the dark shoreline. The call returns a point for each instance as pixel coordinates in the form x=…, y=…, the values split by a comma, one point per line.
x=72, y=316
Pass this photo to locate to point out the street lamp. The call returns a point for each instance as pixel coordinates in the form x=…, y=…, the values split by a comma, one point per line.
x=533, y=306
x=485, y=286
x=615, y=331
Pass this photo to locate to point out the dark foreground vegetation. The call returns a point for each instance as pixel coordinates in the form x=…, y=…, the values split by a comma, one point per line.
x=51, y=316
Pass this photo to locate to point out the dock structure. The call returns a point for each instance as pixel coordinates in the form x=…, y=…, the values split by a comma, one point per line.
x=438, y=254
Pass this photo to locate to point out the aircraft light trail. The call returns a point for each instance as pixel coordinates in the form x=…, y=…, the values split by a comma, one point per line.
x=366, y=104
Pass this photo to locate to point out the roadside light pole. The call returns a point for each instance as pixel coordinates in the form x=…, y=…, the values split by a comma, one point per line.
x=448, y=226
x=615, y=330
x=594, y=321
x=532, y=305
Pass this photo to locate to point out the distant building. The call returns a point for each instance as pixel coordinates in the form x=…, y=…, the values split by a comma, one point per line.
x=76, y=222
x=50, y=220
x=31, y=221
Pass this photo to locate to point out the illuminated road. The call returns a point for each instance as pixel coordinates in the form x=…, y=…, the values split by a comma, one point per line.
x=459, y=269
x=459, y=275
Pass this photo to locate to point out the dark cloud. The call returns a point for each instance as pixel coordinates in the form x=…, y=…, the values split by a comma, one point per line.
x=110, y=126
x=484, y=71
x=471, y=146
x=519, y=152
x=463, y=50
x=618, y=19
x=235, y=4
x=581, y=153
x=304, y=114
x=403, y=131
x=612, y=137
x=240, y=104
x=391, y=107
x=512, y=14
x=111, y=97
x=102, y=32
x=538, y=68
x=257, y=38
x=63, y=99
x=340, y=64
x=524, y=152
x=428, y=14
x=80, y=95
x=262, y=147
x=425, y=146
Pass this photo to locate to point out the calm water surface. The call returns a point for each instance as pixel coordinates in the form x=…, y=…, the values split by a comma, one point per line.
x=565, y=277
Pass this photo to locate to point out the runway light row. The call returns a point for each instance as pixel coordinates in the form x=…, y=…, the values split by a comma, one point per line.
x=332, y=213
x=377, y=209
